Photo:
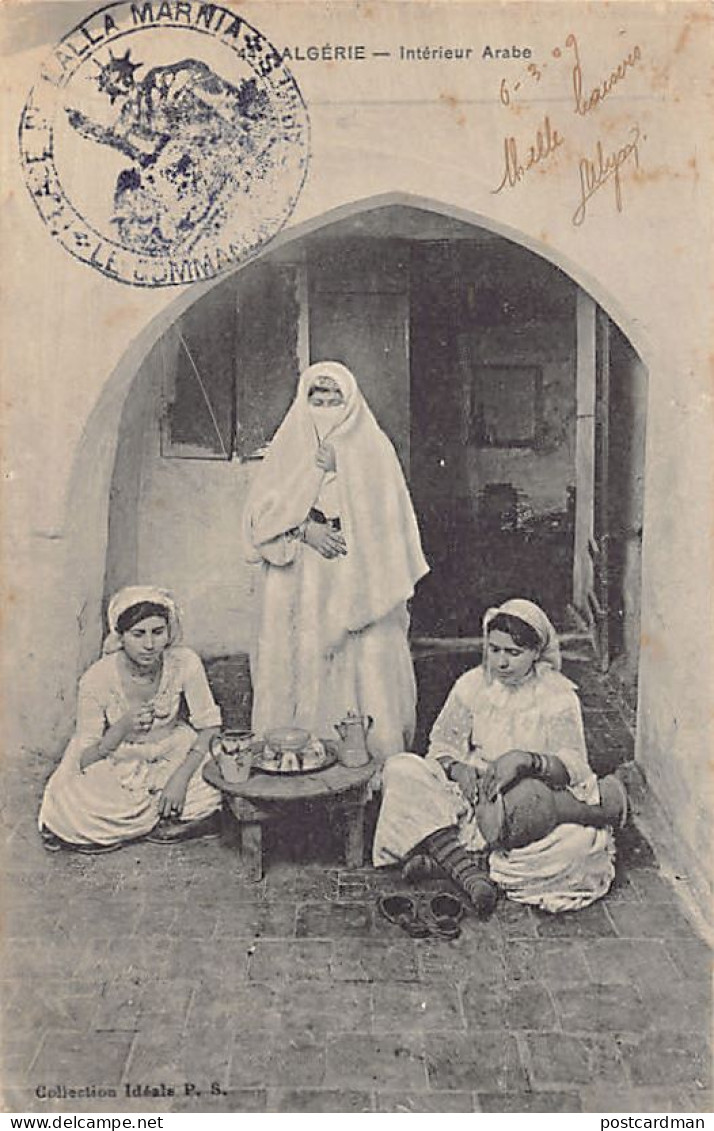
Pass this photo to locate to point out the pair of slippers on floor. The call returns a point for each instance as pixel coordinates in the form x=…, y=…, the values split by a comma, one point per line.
x=430, y=916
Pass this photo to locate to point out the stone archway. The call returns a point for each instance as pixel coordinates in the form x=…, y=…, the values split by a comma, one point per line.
x=95, y=459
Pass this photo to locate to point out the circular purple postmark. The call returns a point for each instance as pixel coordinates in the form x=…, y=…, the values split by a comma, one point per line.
x=164, y=141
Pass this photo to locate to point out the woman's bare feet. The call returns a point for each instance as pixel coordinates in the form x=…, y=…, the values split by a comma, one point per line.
x=614, y=801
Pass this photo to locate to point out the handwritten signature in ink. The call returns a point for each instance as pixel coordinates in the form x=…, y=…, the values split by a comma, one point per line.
x=547, y=141
x=604, y=168
x=585, y=104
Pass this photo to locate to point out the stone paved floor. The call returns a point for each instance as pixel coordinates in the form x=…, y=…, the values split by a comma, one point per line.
x=162, y=967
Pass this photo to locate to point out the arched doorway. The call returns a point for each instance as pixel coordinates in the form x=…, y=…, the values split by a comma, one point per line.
x=515, y=403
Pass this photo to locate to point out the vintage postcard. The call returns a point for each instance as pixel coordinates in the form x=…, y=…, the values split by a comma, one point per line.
x=356, y=515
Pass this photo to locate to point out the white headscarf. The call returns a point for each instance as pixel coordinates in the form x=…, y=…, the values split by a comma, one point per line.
x=535, y=618
x=384, y=557
x=137, y=595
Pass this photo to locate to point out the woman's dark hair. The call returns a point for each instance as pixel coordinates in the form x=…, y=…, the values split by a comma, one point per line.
x=521, y=633
x=139, y=612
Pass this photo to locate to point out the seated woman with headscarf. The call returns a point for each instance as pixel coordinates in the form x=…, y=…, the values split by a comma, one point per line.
x=330, y=518
x=132, y=768
x=505, y=796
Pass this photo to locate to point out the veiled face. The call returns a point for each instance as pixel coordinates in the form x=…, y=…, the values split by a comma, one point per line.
x=508, y=661
x=324, y=392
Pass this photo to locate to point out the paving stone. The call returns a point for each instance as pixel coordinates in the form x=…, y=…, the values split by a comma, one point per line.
x=33, y=959
x=692, y=957
x=68, y=1055
x=567, y=1060
x=36, y=875
x=82, y=877
x=318, y=1007
x=106, y=919
x=555, y=963
x=132, y=1006
x=29, y=919
x=601, y=1099
x=653, y=887
x=701, y=1100
x=361, y=1060
x=474, y=1061
x=219, y=886
x=526, y=1005
x=402, y=1007
x=298, y=1100
x=650, y=921
x=57, y=1003
x=513, y=920
x=17, y=1097
x=683, y=1007
x=195, y=922
x=458, y=960
x=119, y=1007
x=226, y=1003
x=290, y=958
x=267, y=919
x=189, y=957
x=142, y=959
x=589, y=922
x=678, y=1058
x=217, y=889
x=158, y=919
x=283, y=1059
x=302, y=884
x=374, y=960
x=200, y=1055
x=251, y=1051
x=334, y=920
x=425, y=1102
x=360, y=883
x=17, y=1053
x=644, y=962
x=525, y=1102
x=602, y=1008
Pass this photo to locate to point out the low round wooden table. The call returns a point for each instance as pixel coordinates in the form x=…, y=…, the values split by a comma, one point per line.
x=255, y=802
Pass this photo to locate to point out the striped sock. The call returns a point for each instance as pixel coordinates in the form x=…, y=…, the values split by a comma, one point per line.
x=465, y=868
x=421, y=866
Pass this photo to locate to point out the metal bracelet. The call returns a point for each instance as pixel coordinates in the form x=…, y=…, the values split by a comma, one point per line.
x=538, y=765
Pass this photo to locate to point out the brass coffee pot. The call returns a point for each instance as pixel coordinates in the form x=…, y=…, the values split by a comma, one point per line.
x=353, y=730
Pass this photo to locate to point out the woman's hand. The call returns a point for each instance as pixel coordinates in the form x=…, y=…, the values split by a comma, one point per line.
x=505, y=772
x=466, y=777
x=325, y=458
x=325, y=540
x=138, y=721
x=130, y=726
x=173, y=795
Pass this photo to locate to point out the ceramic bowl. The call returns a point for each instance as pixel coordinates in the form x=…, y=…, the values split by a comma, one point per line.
x=287, y=739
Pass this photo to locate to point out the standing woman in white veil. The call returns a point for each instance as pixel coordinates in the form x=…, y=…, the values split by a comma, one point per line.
x=330, y=518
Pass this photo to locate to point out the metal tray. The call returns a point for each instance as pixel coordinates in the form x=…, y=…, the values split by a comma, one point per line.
x=275, y=771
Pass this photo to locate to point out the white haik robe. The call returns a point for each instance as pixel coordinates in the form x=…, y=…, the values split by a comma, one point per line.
x=332, y=633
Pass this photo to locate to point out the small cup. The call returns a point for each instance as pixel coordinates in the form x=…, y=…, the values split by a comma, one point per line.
x=232, y=750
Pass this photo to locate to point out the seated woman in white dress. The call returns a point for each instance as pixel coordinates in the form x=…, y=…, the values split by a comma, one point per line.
x=330, y=520
x=505, y=795
x=133, y=767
